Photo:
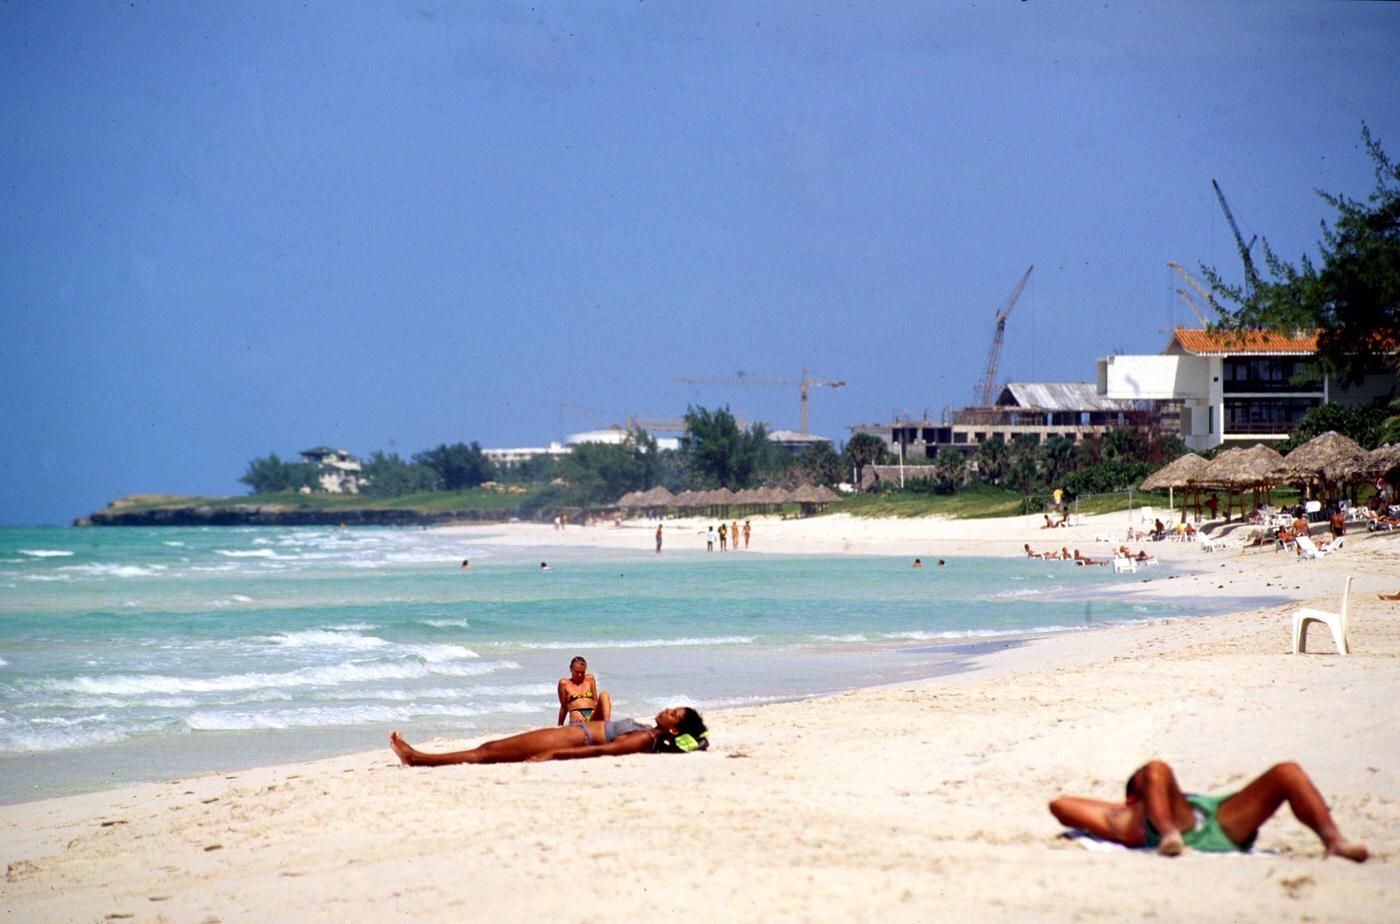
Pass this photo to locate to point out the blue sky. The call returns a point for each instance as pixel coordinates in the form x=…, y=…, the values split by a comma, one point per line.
x=230, y=229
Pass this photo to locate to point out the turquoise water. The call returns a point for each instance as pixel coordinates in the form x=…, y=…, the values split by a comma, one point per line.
x=141, y=653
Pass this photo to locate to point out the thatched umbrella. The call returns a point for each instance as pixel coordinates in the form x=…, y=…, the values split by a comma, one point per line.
x=1327, y=461
x=1234, y=470
x=629, y=500
x=812, y=496
x=1379, y=462
x=1176, y=474
x=687, y=499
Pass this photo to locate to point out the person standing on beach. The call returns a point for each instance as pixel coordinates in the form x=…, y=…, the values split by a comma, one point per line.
x=658, y=538
x=722, y=533
x=746, y=534
x=710, y=539
x=734, y=534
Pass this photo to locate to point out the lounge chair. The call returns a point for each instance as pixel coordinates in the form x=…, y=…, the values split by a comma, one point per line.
x=1121, y=564
x=1337, y=622
x=1309, y=549
x=1212, y=545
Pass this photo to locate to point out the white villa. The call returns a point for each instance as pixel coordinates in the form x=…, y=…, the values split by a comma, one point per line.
x=1233, y=388
x=339, y=471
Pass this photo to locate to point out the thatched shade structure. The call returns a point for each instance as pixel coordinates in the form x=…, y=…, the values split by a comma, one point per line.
x=659, y=497
x=1238, y=470
x=1326, y=460
x=629, y=500
x=1177, y=474
x=688, y=499
x=1379, y=462
x=812, y=497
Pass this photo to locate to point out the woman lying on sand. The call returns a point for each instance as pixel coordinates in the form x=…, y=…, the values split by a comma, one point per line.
x=677, y=730
x=1155, y=813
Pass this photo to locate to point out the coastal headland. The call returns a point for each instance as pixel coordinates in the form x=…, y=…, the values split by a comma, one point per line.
x=913, y=802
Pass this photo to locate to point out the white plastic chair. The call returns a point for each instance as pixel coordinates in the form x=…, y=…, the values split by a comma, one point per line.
x=1337, y=622
x=1121, y=564
x=1147, y=515
x=1308, y=549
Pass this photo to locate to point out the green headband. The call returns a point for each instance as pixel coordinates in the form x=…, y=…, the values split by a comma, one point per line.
x=687, y=743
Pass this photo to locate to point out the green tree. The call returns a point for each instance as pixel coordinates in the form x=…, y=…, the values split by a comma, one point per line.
x=949, y=471
x=993, y=458
x=718, y=453
x=864, y=449
x=392, y=476
x=1023, y=467
x=819, y=464
x=600, y=473
x=459, y=466
x=1363, y=424
x=1352, y=297
x=1058, y=456
x=270, y=475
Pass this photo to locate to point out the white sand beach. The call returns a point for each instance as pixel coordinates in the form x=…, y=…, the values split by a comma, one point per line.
x=921, y=801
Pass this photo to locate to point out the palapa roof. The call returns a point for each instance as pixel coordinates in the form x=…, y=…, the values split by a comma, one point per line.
x=1380, y=461
x=1330, y=457
x=1239, y=468
x=1176, y=473
x=688, y=499
x=629, y=499
x=813, y=494
x=659, y=496
x=1228, y=342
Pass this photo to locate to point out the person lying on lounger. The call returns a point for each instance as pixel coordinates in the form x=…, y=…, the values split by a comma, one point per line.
x=1086, y=560
x=1155, y=813
x=1394, y=596
x=677, y=730
x=1030, y=554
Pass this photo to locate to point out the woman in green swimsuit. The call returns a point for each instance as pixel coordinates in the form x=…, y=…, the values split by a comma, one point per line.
x=1156, y=813
x=579, y=699
x=677, y=731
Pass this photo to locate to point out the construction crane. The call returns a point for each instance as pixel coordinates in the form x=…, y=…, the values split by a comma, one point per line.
x=743, y=378
x=631, y=422
x=985, y=391
x=1251, y=276
x=1200, y=290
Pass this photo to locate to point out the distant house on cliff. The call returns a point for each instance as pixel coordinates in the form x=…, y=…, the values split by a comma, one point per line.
x=338, y=471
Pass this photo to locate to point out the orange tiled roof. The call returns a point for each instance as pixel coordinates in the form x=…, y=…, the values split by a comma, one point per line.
x=1244, y=341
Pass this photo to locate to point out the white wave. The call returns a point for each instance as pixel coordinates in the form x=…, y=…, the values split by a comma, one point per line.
x=446, y=623
x=853, y=637
x=329, y=676
x=48, y=577
x=104, y=568
x=437, y=653
x=319, y=716
x=240, y=598
x=351, y=627
x=262, y=540
x=636, y=643
x=59, y=739
x=173, y=543
x=247, y=553
x=1026, y=592
x=4, y=663
x=320, y=638
x=46, y=553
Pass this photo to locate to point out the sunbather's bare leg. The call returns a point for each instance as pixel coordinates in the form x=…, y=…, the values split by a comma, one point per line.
x=1166, y=807
x=1112, y=821
x=514, y=749
x=1242, y=814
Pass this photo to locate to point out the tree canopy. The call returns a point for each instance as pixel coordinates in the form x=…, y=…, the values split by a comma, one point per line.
x=1351, y=296
x=718, y=453
x=459, y=465
x=270, y=475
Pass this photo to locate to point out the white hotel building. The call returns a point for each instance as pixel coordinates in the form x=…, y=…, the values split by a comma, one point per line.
x=1234, y=388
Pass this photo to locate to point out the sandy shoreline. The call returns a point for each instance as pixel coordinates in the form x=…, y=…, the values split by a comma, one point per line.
x=908, y=802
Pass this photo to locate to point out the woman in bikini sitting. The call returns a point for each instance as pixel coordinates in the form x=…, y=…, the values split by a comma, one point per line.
x=1155, y=813
x=677, y=731
x=579, y=699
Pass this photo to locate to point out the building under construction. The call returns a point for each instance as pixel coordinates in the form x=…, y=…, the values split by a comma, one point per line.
x=1073, y=410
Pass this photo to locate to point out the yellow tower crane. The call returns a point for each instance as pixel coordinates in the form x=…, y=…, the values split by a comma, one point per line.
x=744, y=378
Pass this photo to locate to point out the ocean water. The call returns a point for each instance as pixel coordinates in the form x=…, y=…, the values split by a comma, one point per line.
x=132, y=654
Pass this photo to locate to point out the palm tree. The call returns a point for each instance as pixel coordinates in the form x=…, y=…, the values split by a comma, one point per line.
x=993, y=458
